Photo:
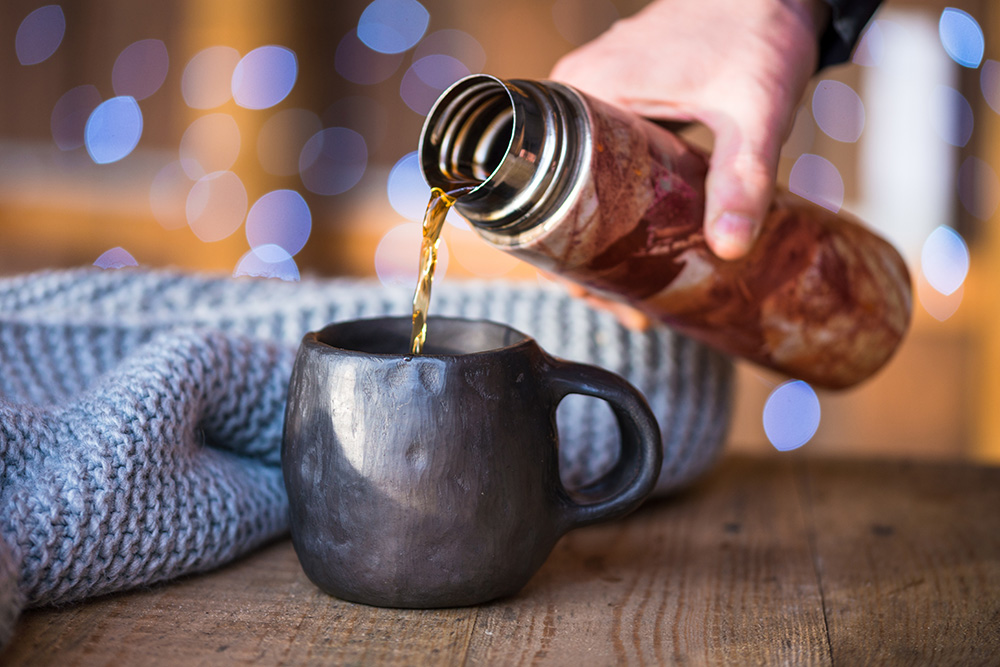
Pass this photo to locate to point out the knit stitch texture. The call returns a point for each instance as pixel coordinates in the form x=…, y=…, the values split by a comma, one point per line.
x=141, y=412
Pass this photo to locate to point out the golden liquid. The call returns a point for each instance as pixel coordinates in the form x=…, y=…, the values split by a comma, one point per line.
x=437, y=211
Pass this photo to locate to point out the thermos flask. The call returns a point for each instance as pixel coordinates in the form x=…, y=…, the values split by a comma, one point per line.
x=602, y=197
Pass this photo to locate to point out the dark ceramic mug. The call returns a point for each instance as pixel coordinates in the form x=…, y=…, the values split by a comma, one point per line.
x=433, y=480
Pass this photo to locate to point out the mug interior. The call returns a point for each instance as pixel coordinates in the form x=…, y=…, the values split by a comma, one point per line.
x=445, y=336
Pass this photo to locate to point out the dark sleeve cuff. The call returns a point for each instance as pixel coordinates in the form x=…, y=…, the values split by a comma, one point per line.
x=848, y=19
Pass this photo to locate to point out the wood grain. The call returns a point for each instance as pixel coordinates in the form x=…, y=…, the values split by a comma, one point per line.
x=775, y=560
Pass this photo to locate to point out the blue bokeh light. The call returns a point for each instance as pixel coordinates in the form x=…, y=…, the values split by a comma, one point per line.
x=116, y=258
x=113, y=129
x=944, y=259
x=268, y=261
x=70, y=114
x=264, y=77
x=280, y=218
x=40, y=34
x=407, y=190
x=817, y=179
x=791, y=415
x=140, y=69
x=333, y=161
x=961, y=37
x=392, y=26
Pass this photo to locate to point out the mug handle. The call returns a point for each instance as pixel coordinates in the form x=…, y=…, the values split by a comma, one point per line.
x=633, y=476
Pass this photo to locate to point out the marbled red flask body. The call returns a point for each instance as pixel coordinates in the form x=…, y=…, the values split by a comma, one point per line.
x=820, y=297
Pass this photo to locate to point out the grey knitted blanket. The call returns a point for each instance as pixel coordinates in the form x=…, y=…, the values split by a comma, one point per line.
x=141, y=412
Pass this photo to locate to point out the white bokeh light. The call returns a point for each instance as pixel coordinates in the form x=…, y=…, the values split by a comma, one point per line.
x=216, y=206
x=280, y=218
x=207, y=79
x=264, y=77
x=791, y=415
x=838, y=111
x=944, y=260
x=817, y=179
x=397, y=256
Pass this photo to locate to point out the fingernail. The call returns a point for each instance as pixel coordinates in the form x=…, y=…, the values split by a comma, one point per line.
x=733, y=234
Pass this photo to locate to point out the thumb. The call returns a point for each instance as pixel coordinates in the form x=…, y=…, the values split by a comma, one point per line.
x=739, y=187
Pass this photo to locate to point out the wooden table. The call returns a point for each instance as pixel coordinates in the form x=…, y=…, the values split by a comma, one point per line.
x=778, y=560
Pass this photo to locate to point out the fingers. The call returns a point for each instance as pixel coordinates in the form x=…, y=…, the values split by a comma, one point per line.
x=739, y=186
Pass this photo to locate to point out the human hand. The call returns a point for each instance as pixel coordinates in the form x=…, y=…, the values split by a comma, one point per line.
x=739, y=68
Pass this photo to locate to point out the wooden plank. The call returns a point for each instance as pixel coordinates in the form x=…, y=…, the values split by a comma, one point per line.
x=909, y=560
x=261, y=610
x=774, y=560
x=721, y=574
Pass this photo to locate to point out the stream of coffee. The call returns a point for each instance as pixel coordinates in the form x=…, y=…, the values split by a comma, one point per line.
x=437, y=210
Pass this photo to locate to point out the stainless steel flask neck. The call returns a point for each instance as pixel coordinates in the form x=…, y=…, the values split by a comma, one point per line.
x=520, y=143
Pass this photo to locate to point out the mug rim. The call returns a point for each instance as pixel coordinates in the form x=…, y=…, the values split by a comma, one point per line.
x=313, y=339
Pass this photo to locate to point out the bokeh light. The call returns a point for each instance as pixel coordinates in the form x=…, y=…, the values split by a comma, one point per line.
x=267, y=261
x=838, y=110
x=961, y=37
x=937, y=305
x=427, y=78
x=817, y=179
x=580, y=21
x=281, y=139
x=358, y=64
x=140, y=69
x=368, y=117
x=116, y=258
x=407, y=190
x=871, y=46
x=207, y=79
x=951, y=115
x=264, y=77
x=216, y=206
x=409, y=193
x=455, y=43
x=40, y=34
x=333, y=161
x=113, y=129
x=978, y=187
x=210, y=144
x=989, y=82
x=168, y=195
x=397, y=256
x=392, y=26
x=791, y=415
x=70, y=114
x=944, y=260
x=280, y=218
